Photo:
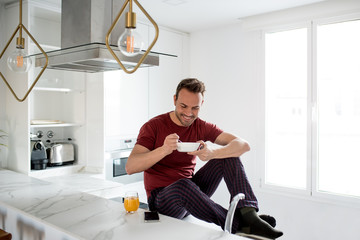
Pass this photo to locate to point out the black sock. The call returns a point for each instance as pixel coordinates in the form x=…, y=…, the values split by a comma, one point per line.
x=256, y=225
x=269, y=219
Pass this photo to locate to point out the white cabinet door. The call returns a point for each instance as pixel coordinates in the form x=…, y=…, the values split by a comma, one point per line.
x=164, y=79
x=126, y=98
x=126, y=102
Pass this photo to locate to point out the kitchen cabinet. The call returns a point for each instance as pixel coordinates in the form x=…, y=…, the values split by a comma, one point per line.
x=81, y=101
x=126, y=103
x=56, y=105
x=57, y=110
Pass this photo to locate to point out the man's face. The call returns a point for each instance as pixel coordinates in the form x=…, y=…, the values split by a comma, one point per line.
x=187, y=107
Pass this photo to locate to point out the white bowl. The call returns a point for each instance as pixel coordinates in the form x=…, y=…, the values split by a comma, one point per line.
x=187, y=146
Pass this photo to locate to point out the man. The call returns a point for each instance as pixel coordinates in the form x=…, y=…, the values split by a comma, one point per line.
x=171, y=185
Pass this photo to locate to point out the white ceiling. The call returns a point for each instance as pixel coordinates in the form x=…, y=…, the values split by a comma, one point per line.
x=194, y=15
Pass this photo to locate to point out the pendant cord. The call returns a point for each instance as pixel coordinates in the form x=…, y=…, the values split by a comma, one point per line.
x=20, y=19
x=130, y=6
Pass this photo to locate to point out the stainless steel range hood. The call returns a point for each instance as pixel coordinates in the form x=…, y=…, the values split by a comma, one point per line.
x=84, y=24
x=91, y=58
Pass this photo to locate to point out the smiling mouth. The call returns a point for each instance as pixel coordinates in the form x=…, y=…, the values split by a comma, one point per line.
x=187, y=118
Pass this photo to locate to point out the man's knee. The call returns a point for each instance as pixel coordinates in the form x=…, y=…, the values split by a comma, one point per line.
x=185, y=186
x=186, y=183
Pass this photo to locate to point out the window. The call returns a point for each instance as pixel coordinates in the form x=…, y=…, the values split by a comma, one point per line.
x=338, y=95
x=285, y=104
x=312, y=108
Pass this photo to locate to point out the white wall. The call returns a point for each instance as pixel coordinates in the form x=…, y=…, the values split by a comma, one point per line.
x=2, y=87
x=234, y=101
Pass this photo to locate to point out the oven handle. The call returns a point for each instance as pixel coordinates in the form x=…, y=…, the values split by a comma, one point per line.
x=119, y=154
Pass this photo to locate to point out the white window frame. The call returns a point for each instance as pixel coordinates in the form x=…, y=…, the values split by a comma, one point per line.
x=311, y=192
x=332, y=197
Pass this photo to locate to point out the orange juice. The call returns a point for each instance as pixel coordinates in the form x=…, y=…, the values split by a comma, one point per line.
x=131, y=204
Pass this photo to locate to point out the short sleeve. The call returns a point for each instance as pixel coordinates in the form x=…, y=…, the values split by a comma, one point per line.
x=212, y=132
x=146, y=137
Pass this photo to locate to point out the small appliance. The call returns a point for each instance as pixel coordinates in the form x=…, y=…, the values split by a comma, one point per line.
x=38, y=155
x=61, y=154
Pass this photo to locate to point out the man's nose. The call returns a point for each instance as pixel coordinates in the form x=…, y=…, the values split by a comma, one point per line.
x=188, y=112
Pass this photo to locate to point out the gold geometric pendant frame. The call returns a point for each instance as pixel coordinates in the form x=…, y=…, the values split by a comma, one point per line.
x=21, y=27
x=114, y=24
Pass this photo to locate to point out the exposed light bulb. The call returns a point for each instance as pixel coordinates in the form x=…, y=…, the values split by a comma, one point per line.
x=18, y=61
x=130, y=42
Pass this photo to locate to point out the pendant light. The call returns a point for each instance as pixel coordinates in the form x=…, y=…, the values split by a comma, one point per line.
x=130, y=42
x=18, y=61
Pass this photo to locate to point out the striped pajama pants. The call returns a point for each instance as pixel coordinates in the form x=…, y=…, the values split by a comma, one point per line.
x=192, y=195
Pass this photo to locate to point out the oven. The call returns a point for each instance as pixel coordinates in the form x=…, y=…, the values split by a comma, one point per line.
x=115, y=161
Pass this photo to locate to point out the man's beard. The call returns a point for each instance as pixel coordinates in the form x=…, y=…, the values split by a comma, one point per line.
x=187, y=123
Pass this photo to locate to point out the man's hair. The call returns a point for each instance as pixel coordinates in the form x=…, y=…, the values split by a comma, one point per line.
x=191, y=84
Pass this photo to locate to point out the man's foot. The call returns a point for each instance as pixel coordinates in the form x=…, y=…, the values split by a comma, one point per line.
x=261, y=231
x=256, y=226
x=269, y=219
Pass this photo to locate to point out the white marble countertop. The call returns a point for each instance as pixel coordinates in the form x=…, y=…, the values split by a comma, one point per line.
x=88, y=216
x=95, y=184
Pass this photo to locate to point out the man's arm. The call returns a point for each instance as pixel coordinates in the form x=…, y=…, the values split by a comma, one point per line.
x=142, y=158
x=231, y=146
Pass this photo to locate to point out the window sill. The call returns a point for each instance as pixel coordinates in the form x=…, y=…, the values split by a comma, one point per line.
x=318, y=197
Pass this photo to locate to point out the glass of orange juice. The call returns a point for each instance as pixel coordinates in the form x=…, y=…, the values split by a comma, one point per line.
x=131, y=201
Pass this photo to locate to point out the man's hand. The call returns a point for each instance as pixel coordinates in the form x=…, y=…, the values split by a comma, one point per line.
x=204, y=153
x=170, y=143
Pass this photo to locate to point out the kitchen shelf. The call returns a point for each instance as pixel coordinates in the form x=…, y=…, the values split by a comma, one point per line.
x=55, y=125
x=53, y=89
x=56, y=171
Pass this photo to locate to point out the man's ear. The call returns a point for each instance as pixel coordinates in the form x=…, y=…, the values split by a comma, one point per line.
x=174, y=99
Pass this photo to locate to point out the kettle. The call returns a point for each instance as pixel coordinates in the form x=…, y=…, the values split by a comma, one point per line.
x=38, y=155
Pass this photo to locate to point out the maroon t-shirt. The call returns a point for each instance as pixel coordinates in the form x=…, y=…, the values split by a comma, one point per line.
x=176, y=165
